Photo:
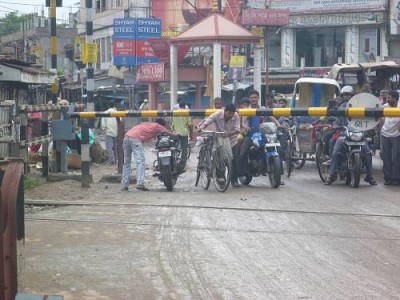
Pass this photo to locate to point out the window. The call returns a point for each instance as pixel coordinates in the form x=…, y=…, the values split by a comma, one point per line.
x=320, y=47
x=101, y=5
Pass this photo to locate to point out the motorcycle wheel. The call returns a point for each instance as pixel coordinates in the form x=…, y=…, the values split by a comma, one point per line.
x=289, y=163
x=274, y=172
x=323, y=169
x=227, y=169
x=355, y=170
x=166, y=175
x=245, y=180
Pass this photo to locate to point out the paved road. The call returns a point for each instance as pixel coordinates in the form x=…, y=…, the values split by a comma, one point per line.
x=301, y=241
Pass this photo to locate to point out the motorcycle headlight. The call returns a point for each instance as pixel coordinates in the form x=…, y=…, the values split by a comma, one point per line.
x=356, y=136
x=272, y=138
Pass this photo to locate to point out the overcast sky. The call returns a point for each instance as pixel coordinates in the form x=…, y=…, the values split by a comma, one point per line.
x=35, y=6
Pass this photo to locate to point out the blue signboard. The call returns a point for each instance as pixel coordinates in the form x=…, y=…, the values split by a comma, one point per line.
x=148, y=28
x=130, y=40
x=124, y=27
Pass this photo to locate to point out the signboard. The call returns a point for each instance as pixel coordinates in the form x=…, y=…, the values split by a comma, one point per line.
x=124, y=27
x=270, y=17
x=322, y=20
x=89, y=53
x=309, y=6
x=147, y=28
x=130, y=40
x=150, y=73
x=237, y=61
x=368, y=101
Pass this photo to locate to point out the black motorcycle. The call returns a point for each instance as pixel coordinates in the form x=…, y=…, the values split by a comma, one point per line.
x=167, y=163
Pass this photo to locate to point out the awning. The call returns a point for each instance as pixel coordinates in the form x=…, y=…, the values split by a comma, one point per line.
x=25, y=73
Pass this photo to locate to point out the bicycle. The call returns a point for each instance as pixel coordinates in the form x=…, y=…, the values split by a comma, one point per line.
x=293, y=156
x=215, y=161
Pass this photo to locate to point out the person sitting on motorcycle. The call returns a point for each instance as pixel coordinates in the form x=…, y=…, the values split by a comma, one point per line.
x=339, y=149
x=345, y=95
x=227, y=121
x=251, y=125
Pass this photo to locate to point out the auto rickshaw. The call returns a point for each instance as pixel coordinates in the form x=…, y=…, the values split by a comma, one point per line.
x=308, y=92
x=384, y=75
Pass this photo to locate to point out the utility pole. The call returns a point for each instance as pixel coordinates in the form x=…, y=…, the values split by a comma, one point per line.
x=89, y=102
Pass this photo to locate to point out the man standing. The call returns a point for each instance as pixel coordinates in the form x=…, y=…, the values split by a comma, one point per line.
x=227, y=121
x=133, y=143
x=390, y=136
x=183, y=126
x=110, y=128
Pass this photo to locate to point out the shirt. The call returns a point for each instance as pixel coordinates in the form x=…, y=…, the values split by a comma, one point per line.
x=181, y=125
x=110, y=125
x=221, y=125
x=391, y=126
x=144, y=132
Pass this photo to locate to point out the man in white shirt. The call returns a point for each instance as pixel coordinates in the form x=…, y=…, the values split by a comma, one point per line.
x=390, y=139
x=110, y=128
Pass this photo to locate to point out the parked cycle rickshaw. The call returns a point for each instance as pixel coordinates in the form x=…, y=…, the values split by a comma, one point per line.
x=308, y=92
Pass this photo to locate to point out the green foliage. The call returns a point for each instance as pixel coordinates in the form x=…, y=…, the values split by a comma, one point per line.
x=32, y=181
x=10, y=23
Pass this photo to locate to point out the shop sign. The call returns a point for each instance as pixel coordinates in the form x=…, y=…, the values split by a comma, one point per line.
x=150, y=73
x=336, y=19
x=297, y=6
x=271, y=17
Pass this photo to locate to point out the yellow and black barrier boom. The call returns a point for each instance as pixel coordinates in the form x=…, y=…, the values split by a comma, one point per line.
x=352, y=112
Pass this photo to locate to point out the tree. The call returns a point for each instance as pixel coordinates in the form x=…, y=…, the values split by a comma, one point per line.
x=11, y=23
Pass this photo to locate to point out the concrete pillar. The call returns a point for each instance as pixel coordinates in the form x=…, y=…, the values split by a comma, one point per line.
x=287, y=48
x=257, y=68
x=351, y=48
x=173, y=75
x=217, y=69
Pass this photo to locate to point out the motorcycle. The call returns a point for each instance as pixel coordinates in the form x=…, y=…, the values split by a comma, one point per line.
x=353, y=164
x=167, y=162
x=263, y=156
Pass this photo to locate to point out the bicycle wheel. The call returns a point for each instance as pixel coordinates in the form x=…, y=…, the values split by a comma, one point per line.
x=288, y=158
x=206, y=169
x=222, y=174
